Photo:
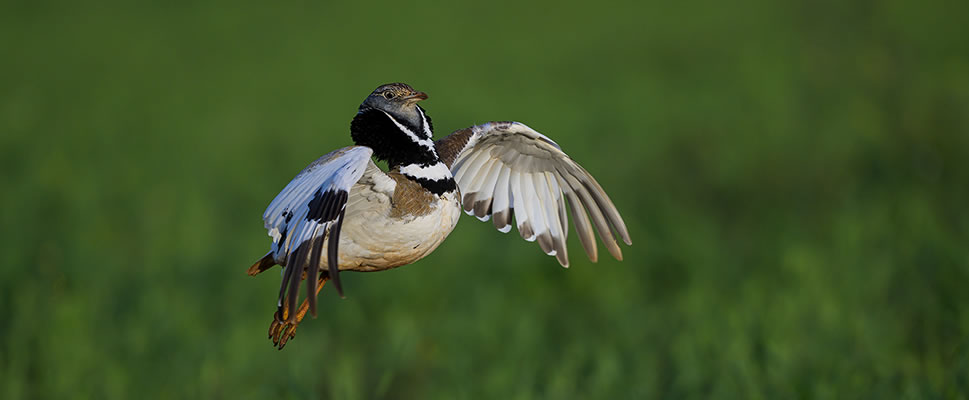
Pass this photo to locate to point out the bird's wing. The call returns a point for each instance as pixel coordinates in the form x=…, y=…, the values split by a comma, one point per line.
x=309, y=209
x=506, y=168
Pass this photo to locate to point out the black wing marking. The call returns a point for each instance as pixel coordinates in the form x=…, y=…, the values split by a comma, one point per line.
x=307, y=214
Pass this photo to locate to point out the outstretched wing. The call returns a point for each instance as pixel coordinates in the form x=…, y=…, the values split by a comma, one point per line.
x=507, y=168
x=309, y=209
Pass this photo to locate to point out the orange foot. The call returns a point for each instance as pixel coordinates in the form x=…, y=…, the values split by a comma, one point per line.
x=281, y=331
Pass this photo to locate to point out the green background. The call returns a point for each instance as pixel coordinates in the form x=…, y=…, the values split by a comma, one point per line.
x=793, y=175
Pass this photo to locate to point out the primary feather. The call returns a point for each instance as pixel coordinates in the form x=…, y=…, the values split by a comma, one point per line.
x=532, y=181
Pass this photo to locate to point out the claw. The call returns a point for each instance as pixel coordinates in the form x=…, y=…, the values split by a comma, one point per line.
x=289, y=334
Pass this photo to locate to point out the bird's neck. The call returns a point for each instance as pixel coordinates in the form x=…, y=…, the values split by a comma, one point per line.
x=405, y=146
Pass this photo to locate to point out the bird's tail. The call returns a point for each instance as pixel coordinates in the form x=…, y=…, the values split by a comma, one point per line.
x=264, y=263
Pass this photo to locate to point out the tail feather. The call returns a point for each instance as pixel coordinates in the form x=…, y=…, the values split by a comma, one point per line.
x=264, y=263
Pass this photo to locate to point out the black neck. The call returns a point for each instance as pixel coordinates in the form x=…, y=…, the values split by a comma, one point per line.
x=401, y=144
x=376, y=130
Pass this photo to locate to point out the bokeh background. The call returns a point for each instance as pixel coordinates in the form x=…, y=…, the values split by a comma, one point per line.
x=793, y=175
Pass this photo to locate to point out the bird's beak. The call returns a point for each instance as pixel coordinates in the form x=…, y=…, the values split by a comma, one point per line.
x=416, y=97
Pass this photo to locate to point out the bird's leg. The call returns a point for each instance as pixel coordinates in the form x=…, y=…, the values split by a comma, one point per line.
x=281, y=331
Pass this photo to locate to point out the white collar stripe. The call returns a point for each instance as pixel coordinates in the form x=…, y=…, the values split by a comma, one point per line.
x=436, y=172
x=427, y=126
x=421, y=141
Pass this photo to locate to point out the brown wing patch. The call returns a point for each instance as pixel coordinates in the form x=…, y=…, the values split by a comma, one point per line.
x=451, y=145
x=410, y=198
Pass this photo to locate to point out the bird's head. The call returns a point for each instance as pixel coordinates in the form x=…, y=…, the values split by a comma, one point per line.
x=392, y=124
x=397, y=99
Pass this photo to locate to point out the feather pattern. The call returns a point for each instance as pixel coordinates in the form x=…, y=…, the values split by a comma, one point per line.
x=507, y=169
x=485, y=197
x=307, y=213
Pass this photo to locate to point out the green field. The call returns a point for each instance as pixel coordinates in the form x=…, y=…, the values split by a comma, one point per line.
x=794, y=176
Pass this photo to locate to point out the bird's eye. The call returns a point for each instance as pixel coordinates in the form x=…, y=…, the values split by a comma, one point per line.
x=388, y=95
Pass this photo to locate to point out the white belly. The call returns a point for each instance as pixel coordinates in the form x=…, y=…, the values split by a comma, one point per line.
x=372, y=239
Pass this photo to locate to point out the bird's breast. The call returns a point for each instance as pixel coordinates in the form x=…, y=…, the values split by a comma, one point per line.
x=382, y=231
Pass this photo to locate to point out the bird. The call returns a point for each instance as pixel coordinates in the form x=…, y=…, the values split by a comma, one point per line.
x=370, y=220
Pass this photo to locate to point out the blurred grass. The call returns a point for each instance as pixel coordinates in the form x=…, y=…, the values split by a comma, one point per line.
x=793, y=176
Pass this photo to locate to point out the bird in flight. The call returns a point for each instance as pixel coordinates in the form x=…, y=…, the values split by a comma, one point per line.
x=370, y=220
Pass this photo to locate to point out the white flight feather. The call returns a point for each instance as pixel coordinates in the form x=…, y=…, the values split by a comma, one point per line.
x=476, y=181
x=501, y=196
x=535, y=210
x=468, y=168
x=545, y=200
x=473, y=168
x=521, y=212
x=487, y=189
